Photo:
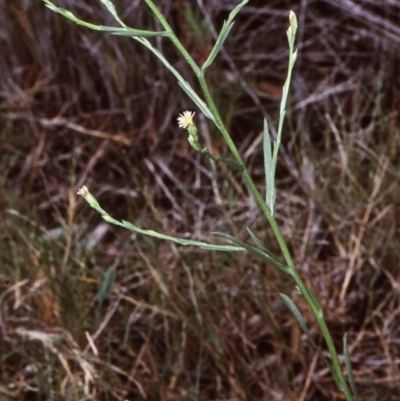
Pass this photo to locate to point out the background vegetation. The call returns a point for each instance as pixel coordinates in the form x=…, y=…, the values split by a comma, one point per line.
x=88, y=311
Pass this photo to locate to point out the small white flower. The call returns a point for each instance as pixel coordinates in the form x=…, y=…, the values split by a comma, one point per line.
x=186, y=119
x=83, y=191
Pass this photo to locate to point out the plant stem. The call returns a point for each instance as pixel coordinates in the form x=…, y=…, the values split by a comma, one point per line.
x=315, y=308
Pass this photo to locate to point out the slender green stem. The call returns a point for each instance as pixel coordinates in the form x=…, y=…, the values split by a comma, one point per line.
x=260, y=202
x=173, y=37
x=315, y=308
x=239, y=165
x=279, y=237
x=236, y=163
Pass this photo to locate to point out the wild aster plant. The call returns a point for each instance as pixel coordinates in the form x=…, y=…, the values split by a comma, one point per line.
x=270, y=148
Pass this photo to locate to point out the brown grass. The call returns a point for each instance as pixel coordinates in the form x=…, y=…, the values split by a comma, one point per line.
x=88, y=311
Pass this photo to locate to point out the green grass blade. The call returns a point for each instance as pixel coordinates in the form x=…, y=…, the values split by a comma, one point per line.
x=347, y=362
x=106, y=284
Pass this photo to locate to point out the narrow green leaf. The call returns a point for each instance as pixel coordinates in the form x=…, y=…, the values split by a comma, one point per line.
x=226, y=28
x=180, y=241
x=259, y=244
x=217, y=47
x=83, y=191
x=159, y=55
x=264, y=255
x=347, y=362
x=269, y=169
x=136, y=32
x=296, y=313
x=59, y=10
x=257, y=241
x=182, y=83
x=315, y=301
x=125, y=31
x=111, y=8
x=275, y=144
x=197, y=100
x=236, y=10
